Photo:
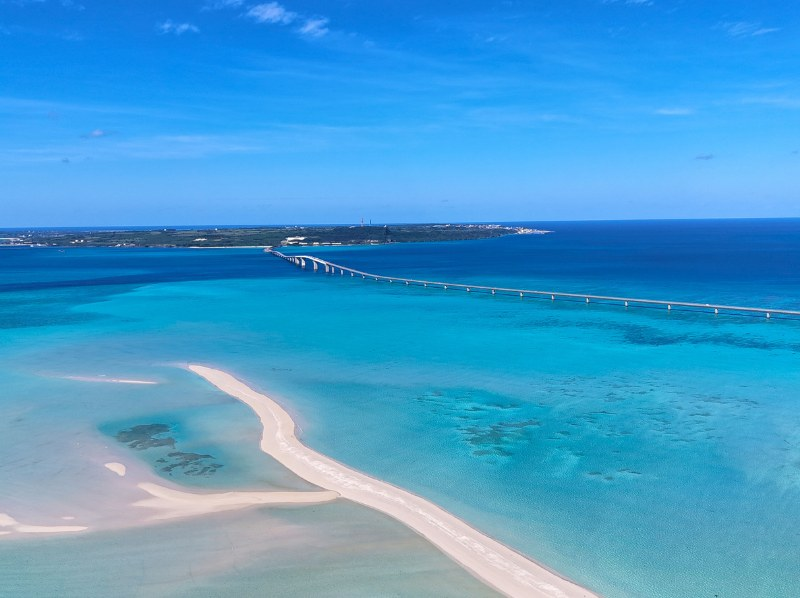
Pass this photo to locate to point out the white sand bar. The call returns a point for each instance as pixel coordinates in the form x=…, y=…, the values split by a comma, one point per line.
x=108, y=380
x=497, y=565
x=6, y=521
x=170, y=503
x=117, y=468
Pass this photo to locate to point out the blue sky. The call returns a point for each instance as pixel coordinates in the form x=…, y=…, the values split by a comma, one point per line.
x=118, y=112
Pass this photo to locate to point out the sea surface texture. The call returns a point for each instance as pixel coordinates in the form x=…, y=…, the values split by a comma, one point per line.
x=640, y=451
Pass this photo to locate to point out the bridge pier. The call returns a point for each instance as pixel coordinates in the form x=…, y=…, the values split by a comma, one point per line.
x=330, y=268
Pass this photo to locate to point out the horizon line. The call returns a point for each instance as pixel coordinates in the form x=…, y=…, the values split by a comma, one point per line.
x=124, y=227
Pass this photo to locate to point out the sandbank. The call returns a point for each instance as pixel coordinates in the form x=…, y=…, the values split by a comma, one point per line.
x=109, y=380
x=117, y=468
x=170, y=503
x=15, y=526
x=495, y=564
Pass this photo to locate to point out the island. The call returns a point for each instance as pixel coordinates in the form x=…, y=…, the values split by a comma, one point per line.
x=259, y=236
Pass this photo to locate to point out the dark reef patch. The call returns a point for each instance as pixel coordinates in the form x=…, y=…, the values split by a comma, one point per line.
x=193, y=464
x=482, y=421
x=158, y=437
x=497, y=439
x=146, y=436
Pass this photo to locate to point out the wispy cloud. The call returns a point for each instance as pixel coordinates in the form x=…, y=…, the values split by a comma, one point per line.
x=745, y=28
x=511, y=117
x=158, y=147
x=170, y=26
x=279, y=138
x=777, y=101
x=220, y=4
x=674, y=111
x=271, y=12
x=72, y=36
x=314, y=27
x=96, y=134
x=630, y=2
x=34, y=108
x=65, y=3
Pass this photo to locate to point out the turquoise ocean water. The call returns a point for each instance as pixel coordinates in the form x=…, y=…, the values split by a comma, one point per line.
x=639, y=452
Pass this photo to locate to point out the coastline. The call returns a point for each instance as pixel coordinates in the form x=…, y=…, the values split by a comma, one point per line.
x=497, y=565
x=262, y=236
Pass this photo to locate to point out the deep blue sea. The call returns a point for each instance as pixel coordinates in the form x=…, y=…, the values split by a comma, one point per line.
x=640, y=452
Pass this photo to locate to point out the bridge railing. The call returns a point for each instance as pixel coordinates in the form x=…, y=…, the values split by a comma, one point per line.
x=332, y=268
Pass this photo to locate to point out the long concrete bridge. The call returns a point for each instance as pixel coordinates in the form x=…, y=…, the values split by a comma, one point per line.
x=318, y=264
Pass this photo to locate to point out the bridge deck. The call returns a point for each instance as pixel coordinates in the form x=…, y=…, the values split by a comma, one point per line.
x=331, y=267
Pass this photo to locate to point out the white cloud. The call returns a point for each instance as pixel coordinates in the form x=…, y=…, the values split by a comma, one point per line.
x=314, y=27
x=96, y=134
x=674, y=111
x=274, y=13
x=777, y=101
x=745, y=28
x=630, y=2
x=271, y=12
x=169, y=26
x=220, y=4
x=65, y=3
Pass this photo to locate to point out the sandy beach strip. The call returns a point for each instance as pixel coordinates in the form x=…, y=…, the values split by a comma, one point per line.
x=108, y=380
x=170, y=503
x=495, y=564
x=6, y=521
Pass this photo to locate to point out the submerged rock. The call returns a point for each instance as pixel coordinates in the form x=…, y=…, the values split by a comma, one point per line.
x=146, y=436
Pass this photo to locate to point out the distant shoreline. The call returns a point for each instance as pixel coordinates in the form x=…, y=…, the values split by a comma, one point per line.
x=260, y=237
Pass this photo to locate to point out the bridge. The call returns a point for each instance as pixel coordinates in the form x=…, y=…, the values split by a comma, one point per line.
x=317, y=264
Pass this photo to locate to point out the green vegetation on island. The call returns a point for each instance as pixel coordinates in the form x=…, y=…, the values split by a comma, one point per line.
x=261, y=236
